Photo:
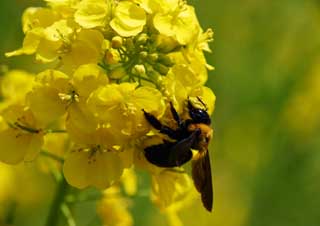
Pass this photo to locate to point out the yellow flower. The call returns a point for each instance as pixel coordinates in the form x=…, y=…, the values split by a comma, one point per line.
x=21, y=140
x=50, y=96
x=120, y=106
x=85, y=49
x=169, y=187
x=114, y=59
x=34, y=17
x=180, y=24
x=193, y=55
x=92, y=13
x=86, y=79
x=45, y=33
x=30, y=43
x=66, y=8
x=113, y=209
x=95, y=161
x=154, y=6
x=129, y=19
x=207, y=97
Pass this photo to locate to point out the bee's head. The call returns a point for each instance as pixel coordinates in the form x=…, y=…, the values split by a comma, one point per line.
x=198, y=115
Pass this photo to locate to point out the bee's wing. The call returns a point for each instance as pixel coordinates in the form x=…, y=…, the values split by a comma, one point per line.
x=201, y=175
x=171, y=154
x=181, y=152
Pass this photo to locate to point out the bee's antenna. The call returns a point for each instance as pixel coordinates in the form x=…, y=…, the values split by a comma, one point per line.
x=204, y=105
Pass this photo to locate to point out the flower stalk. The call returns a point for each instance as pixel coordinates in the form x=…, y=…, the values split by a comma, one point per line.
x=58, y=202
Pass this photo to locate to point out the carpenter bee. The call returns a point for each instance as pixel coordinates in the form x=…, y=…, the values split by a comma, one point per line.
x=193, y=133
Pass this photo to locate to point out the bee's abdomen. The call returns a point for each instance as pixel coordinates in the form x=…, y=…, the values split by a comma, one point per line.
x=162, y=155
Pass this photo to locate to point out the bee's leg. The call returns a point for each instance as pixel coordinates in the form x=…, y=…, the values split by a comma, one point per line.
x=175, y=114
x=204, y=105
x=157, y=125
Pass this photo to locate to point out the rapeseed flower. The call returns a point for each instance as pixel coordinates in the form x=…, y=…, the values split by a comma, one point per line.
x=112, y=60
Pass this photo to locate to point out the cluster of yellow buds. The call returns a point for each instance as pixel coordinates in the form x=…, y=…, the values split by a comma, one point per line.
x=109, y=59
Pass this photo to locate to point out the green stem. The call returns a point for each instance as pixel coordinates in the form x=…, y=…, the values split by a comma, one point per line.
x=68, y=215
x=58, y=200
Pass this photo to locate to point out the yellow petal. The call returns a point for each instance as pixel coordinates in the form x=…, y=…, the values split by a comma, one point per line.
x=88, y=78
x=182, y=24
x=207, y=96
x=163, y=24
x=102, y=169
x=59, y=30
x=154, y=6
x=46, y=104
x=30, y=44
x=103, y=99
x=47, y=50
x=86, y=49
x=129, y=19
x=16, y=146
x=169, y=187
x=34, y=17
x=80, y=118
x=92, y=13
x=45, y=101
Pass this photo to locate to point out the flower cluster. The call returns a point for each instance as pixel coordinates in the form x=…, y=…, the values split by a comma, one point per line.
x=109, y=59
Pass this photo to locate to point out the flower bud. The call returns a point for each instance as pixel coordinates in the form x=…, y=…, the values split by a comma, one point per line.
x=139, y=69
x=143, y=54
x=165, y=44
x=117, y=73
x=116, y=42
x=129, y=44
x=142, y=39
x=162, y=69
x=165, y=60
x=153, y=56
x=111, y=57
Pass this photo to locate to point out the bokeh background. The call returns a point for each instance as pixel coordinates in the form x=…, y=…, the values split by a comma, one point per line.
x=266, y=148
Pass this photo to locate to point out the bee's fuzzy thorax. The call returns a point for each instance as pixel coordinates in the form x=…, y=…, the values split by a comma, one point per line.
x=205, y=129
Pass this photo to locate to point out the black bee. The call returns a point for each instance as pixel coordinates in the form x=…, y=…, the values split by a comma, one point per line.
x=194, y=133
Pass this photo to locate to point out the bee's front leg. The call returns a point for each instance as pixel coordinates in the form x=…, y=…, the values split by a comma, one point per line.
x=157, y=125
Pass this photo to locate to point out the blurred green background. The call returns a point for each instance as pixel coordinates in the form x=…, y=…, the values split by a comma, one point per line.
x=266, y=148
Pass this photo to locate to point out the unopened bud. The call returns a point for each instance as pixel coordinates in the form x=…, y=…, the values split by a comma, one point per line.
x=116, y=42
x=153, y=56
x=117, y=73
x=139, y=69
x=111, y=57
x=129, y=44
x=142, y=39
x=165, y=44
x=143, y=54
x=165, y=60
x=162, y=69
